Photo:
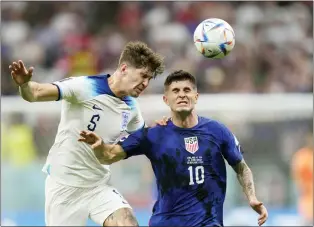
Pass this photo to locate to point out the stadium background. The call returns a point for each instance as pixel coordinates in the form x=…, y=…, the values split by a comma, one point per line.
x=272, y=60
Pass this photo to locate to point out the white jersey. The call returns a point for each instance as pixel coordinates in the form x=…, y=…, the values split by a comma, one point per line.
x=88, y=104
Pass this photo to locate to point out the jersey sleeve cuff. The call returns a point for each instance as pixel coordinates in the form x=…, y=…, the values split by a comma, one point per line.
x=236, y=161
x=59, y=91
x=124, y=149
x=140, y=128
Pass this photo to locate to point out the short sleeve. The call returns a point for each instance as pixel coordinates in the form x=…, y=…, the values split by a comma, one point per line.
x=231, y=147
x=136, y=143
x=137, y=122
x=78, y=89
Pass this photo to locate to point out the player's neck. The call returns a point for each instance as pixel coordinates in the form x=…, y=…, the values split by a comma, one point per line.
x=185, y=120
x=115, y=87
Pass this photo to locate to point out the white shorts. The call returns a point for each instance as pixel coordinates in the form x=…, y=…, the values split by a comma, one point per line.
x=66, y=205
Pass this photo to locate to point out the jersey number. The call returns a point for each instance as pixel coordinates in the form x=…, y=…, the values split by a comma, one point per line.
x=92, y=126
x=199, y=174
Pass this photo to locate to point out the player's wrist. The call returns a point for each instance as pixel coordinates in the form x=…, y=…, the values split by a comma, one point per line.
x=252, y=199
x=24, y=85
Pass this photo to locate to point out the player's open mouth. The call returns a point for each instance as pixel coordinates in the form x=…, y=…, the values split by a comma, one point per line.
x=182, y=102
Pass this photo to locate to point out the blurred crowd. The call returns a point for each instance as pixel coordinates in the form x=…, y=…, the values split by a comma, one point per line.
x=273, y=51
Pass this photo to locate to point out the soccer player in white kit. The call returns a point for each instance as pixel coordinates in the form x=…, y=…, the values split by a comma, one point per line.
x=76, y=185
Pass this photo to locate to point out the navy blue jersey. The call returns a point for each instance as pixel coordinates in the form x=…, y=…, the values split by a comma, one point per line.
x=190, y=170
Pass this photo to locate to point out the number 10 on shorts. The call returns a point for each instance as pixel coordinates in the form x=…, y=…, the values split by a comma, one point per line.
x=196, y=175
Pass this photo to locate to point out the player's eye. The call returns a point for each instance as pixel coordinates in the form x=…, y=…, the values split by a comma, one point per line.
x=147, y=77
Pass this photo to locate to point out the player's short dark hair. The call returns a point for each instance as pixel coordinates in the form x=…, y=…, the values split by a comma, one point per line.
x=179, y=75
x=139, y=55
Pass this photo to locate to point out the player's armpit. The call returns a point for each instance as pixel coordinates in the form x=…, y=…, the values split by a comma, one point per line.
x=36, y=92
x=245, y=178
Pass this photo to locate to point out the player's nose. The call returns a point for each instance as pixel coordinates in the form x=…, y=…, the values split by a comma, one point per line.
x=145, y=83
x=181, y=94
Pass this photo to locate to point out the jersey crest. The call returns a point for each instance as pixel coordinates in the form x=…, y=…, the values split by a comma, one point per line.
x=125, y=120
x=191, y=144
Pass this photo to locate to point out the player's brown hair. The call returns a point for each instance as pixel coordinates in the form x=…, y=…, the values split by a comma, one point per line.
x=139, y=55
x=179, y=75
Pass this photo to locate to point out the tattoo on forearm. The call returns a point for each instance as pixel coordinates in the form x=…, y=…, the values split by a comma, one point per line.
x=121, y=217
x=129, y=219
x=245, y=178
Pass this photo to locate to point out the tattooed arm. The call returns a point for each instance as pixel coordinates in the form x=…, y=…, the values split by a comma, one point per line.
x=245, y=178
x=231, y=151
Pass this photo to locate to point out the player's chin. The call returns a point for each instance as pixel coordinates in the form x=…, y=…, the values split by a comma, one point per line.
x=135, y=94
x=183, y=109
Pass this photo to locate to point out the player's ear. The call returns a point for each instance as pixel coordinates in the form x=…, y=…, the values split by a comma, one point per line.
x=123, y=68
x=196, y=97
x=165, y=100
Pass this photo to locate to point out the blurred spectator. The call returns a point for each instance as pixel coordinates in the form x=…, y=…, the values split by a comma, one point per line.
x=273, y=51
x=44, y=132
x=302, y=172
x=19, y=144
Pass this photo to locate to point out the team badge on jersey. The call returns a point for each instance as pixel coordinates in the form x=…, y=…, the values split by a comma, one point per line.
x=125, y=120
x=191, y=144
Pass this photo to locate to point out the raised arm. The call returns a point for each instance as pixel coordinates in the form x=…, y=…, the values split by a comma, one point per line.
x=36, y=92
x=29, y=90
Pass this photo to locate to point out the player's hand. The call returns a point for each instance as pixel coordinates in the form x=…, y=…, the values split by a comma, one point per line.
x=97, y=145
x=19, y=73
x=162, y=121
x=261, y=210
x=90, y=138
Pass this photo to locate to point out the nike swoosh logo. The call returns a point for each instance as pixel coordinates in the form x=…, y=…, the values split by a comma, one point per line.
x=95, y=107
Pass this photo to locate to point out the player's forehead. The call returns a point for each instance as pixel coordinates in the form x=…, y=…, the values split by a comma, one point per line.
x=181, y=84
x=145, y=72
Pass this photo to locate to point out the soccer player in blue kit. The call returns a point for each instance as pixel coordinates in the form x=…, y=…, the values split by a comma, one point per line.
x=187, y=156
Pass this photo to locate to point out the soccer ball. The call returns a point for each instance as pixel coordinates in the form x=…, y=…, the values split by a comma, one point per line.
x=214, y=38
